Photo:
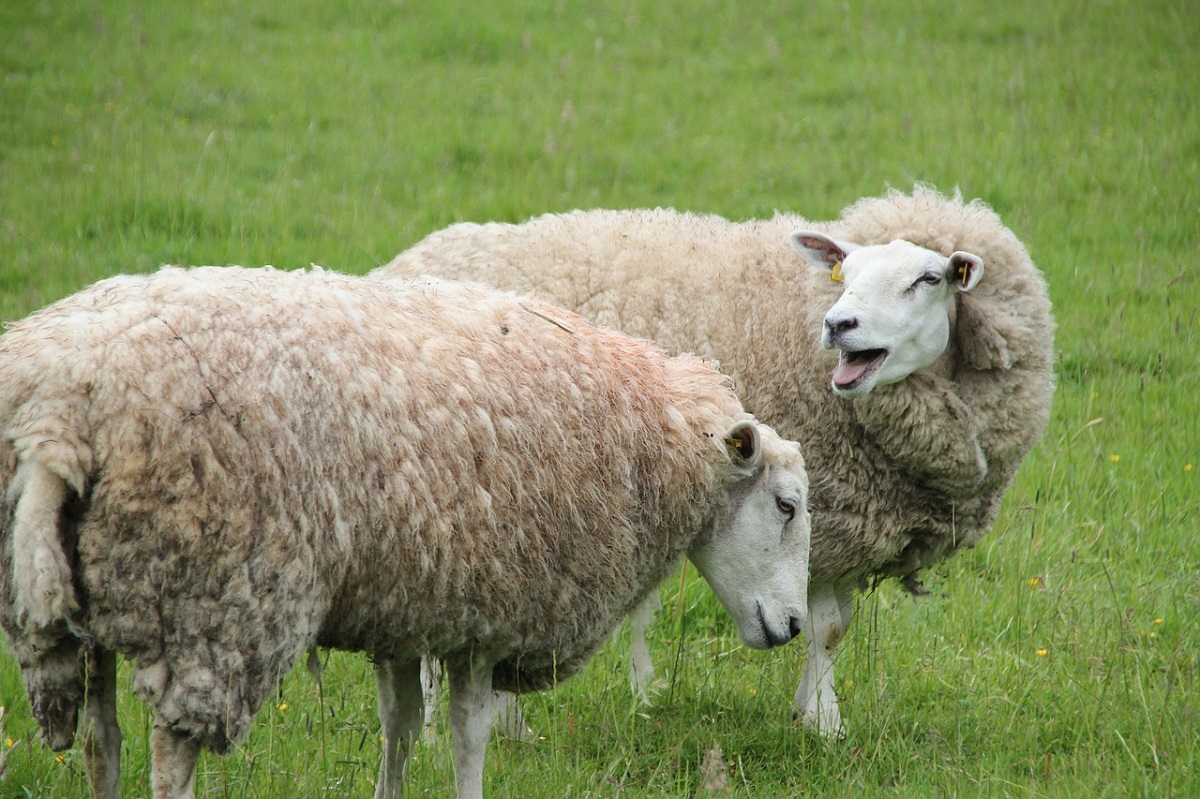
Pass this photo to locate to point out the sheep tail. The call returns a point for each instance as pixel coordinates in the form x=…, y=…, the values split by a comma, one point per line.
x=42, y=577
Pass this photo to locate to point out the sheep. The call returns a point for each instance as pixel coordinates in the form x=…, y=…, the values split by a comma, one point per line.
x=215, y=470
x=909, y=457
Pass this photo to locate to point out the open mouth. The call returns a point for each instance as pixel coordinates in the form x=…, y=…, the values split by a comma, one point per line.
x=856, y=366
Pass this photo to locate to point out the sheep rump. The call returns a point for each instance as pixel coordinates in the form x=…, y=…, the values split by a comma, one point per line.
x=254, y=462
x=901, y=478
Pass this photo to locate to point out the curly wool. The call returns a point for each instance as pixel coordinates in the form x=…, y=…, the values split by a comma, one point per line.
x=900, y=478
x=264, y=461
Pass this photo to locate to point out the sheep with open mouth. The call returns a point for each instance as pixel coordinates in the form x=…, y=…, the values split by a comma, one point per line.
x=941, y=382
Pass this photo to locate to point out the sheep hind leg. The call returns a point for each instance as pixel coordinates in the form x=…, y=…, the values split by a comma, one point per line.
x=641, y=667
x=830, y=608
x=173, y=763
x=470, y=722
x=431, y=686
x=55, y=671
x=101, y=733
x=401, y=702
x=507, y=717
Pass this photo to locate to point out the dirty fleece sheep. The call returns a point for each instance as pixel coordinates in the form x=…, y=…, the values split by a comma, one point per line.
x=942, y=376
x=214, y=470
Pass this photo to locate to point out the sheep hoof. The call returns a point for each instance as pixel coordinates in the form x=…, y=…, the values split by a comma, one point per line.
x=828, y=726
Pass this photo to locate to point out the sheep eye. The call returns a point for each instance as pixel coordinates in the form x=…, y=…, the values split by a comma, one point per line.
x=785, y=507
x=930, y=278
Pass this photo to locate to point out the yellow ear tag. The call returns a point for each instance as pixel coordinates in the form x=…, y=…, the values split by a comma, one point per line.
x=836, y=274
x=963, y=271
x=736, y=444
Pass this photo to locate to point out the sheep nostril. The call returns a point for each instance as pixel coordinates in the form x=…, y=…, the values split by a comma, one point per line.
x=841, y=325
x=796, y=626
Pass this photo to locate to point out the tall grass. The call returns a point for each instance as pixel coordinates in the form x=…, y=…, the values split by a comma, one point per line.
x=1059, y=658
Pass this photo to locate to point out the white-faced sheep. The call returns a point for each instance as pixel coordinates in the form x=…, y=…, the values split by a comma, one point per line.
x=942, y=381
x=214, y=470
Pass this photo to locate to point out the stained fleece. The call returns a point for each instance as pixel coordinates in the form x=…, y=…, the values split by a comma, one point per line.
x=261, y=461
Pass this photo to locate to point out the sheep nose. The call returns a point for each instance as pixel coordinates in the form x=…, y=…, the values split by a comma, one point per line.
x=835, y=326
x=796, y=626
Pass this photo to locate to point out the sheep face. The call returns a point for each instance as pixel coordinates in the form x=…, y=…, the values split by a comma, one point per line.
x=757, y=559
x=895, y=314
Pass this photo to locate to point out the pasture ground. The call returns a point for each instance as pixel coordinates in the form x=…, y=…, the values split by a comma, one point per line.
x=1058, y=659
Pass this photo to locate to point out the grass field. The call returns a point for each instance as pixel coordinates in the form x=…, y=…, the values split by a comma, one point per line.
x=1058, y=659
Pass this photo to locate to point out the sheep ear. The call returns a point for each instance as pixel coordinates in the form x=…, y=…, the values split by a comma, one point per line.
x=744, y=443
x=823, y=252
x=964, y=270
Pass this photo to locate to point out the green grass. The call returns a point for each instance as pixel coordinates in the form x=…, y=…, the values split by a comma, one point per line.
x=1058, y=659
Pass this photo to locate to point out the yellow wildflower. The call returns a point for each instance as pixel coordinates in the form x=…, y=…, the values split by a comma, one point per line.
x=1114, y=457
x=1043, y=652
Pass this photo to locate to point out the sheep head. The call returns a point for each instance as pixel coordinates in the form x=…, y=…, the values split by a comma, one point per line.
x=896, y=309
x=756, y=560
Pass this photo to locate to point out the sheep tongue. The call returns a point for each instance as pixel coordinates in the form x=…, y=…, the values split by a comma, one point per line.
x=846, y=372
x=853, y=365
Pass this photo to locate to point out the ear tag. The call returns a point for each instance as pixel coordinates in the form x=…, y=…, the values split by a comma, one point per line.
x=963, y=272
x=736, y=444
x=836, y=274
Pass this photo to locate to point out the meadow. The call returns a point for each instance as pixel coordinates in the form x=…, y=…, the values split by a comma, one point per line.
x=1057, y=659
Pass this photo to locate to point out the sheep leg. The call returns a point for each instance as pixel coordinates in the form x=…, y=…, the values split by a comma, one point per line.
x=830, y=606
x=400, y=712
x=470, y=722
x=173, y=763
x=506, y=707
x=101, y=733
x=508, y=718
x=431, y=681
x=641, y=667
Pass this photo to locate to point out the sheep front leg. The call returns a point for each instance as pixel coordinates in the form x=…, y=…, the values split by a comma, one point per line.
x=830, y=607
x=470, y=722
x=101, y=733
x=172, y=763
x=401, y=702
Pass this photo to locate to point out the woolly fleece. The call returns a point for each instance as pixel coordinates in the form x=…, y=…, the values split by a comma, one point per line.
x=263, y=461
x=901, y=477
